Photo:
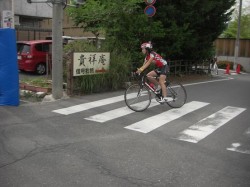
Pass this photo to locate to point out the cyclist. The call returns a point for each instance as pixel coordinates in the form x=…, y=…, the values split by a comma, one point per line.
x=161, y=70
x=213, y=65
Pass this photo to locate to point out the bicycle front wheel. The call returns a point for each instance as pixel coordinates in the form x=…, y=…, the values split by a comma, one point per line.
x=137, y=97
x=177, y=91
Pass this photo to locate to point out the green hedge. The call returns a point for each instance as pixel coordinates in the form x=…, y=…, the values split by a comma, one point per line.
x=223, y=65
x=119, y=71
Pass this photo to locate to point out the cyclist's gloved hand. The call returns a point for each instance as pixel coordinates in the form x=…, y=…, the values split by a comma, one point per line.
x=139, y=70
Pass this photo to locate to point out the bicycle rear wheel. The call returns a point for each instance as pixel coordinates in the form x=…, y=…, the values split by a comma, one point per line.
x=137, y=97
x=177, y=91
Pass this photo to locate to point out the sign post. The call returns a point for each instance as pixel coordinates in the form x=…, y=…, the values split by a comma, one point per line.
x=150, y=10
x=89, y=63
x=7, y=19
x=150, y=2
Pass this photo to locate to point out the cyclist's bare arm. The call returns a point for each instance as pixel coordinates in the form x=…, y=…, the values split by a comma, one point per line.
x=145, y=65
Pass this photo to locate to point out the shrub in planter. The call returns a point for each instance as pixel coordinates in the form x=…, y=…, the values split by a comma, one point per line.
x=36, y=85
x=223, y=64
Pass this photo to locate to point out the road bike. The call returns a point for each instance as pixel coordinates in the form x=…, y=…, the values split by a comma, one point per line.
x=138, y=95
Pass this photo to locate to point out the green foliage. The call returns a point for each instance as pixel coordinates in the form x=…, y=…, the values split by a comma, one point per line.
x=123, y=23
x=232, y=27
x=231, y=31
x=180, y=29
x=120, y=68
x=191, y=26
x=224, y=64
x=41, y=82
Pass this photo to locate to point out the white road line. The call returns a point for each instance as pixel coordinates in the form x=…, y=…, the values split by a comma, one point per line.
x=87, y=106
x=208, y=125
x=240, y=147
x=116, y=113
x=156, y=121
x=205, y=82
x=90, y=105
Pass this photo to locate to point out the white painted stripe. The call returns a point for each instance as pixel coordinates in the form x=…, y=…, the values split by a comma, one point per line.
x=237, y=147
x=208, y=125
x=240, y=147
x=156, y=121
x=116, y=113
x=205, y=82
x=87, y=106
x=94, y=104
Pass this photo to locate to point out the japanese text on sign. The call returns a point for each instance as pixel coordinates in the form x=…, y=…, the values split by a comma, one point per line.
x=91, y=63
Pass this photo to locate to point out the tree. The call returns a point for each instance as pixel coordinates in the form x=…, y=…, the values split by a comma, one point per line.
x=231, y=31
x=122, y=22
x=192, y=26
x=180, y=29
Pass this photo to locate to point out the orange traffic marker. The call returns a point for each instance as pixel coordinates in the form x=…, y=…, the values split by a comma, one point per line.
x=238, y=69
x=227, y=69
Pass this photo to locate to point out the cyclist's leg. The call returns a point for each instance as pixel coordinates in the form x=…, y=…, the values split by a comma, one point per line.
x=150, y=77
x=162, y=79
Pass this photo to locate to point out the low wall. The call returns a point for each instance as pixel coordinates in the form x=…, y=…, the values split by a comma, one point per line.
x=245, y=62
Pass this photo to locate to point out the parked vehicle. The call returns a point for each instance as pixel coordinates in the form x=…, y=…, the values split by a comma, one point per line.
x=33, y=55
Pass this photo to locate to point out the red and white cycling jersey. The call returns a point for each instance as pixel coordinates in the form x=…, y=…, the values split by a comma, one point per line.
x=158, y=60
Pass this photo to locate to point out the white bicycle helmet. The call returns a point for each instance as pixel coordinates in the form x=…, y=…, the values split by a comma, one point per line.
x=147, y=45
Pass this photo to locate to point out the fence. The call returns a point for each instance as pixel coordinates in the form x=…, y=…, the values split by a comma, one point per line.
x=226, y=46
x=26, y=33
x=189, y=67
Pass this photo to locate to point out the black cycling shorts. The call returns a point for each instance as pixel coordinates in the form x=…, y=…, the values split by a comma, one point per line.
x=162, y=71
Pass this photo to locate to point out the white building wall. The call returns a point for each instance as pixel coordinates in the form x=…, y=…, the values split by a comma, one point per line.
x=245, y=62
x=21, y=7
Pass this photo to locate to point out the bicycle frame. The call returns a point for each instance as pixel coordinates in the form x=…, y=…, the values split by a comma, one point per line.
x=143, y=82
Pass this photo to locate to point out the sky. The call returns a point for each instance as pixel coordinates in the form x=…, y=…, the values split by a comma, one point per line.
x=245, y=3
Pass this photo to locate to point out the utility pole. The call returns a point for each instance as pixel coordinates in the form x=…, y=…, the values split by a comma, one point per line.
x=57, y=46
x=237, y=42
x=57, y=49
x=57, y=43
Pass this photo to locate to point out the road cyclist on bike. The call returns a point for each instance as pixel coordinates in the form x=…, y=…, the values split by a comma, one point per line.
x=160, y=71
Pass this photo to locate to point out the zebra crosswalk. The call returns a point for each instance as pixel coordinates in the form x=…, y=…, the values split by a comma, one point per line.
x=206, y=126
x=156, y=121
x=116, y=113
x=193, y=134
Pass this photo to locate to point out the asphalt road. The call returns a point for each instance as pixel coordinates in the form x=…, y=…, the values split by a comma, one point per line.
x=93, y=141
